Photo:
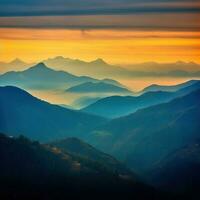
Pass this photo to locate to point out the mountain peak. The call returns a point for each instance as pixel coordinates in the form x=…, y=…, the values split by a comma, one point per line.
x=60, y=58
x=40, y=66
x=99, y=61
x=17, y=61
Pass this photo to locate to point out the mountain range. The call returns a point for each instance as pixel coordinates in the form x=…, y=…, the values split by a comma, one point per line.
x=155, y=142
x=41, y=77
x=99, y=68
x=22, y=113
x=155, y=134
x=169, y=88
x=147, y=136
x=164, y=67
x=117, y=106
x=14, y=65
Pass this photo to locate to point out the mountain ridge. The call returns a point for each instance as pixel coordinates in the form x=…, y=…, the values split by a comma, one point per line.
x=42, y=77
x=168, y=88
x=118, y=106
x=99, y=87
x=146, y=136
x=20, y=111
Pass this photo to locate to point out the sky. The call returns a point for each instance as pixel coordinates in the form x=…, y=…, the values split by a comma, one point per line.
x=119, y=31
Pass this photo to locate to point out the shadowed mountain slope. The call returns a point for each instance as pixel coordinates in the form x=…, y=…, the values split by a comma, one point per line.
x=117, y=106
x=147, y=136
x=179, y=171
x=83, y=150
x=45, y=172
x=22, y=113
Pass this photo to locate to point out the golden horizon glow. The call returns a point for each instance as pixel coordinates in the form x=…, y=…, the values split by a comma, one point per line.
x=115, y=46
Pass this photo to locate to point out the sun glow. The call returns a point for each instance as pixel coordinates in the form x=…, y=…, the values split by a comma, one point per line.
x=115, y=46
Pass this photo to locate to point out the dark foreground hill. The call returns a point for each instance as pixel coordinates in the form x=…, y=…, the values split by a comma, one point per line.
x=87, y=152
x=179, y=171
x=30, y=170
x=21, y=113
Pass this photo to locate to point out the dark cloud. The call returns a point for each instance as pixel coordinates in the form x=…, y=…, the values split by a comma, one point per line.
x=165, y=22
x=101, y=14
x=93, y=7
x=106, y=11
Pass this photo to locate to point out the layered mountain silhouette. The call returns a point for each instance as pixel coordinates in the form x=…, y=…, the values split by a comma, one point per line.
x=22, y=113
x=100, y=69
x=32, y=170
x=117, y=106
x=172, y=73
x=144, y=138
x=99, y=87
x=96, y=68
x=155, y=134
x=41, y=77
x=14, y=65
x=165, y=67
x=170, y=88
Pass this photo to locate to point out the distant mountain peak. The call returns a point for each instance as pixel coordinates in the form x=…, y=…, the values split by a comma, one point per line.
x=40, y=65
x=180, y=62
x=99, y=61
x=59, y=57
x=153, y=85
x=17, y=61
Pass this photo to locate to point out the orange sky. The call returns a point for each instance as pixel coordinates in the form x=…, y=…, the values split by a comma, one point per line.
x=115, y=46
